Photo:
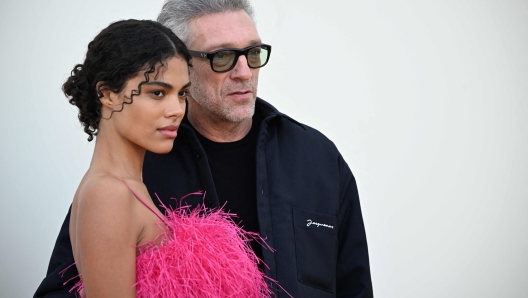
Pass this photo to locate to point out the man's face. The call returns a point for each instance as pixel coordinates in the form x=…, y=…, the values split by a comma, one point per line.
x=228, y=96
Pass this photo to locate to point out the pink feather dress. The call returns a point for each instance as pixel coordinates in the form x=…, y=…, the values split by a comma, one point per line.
x=204, y=254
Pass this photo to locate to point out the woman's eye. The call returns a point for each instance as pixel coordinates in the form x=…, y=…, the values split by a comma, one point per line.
x=183, y=93
x=158, y=93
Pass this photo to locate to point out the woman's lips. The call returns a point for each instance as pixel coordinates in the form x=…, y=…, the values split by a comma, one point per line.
x=170, y=131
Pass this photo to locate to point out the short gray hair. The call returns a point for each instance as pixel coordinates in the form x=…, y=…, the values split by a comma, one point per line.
x=176, y=14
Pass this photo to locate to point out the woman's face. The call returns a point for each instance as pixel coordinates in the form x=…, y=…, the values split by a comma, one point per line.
x=151, y=121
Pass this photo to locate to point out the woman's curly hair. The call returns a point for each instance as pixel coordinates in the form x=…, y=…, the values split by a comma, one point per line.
x=119, y=53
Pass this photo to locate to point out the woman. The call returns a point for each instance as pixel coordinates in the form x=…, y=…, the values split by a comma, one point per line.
x=131, y=93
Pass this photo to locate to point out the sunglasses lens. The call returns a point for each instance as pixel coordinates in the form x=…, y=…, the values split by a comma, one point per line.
x=223, y=60
x=257, y=56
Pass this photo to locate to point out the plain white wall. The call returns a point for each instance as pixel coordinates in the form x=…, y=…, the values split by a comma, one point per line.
x=426, y=100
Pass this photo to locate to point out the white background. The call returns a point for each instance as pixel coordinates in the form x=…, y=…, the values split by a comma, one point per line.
x=426, y=100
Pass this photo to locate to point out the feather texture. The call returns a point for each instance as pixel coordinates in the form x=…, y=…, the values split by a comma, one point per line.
x=204, y=254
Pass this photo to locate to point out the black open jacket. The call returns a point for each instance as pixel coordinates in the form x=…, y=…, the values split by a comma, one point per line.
x=307, y=201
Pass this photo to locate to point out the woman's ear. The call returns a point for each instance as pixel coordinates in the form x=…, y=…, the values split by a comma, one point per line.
x=110, y=101
x=106, y=96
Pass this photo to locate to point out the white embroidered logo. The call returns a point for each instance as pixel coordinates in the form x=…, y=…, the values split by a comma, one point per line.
x=310, y=222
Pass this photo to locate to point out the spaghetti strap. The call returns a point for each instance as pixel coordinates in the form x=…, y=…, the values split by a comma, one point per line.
x=143, y=201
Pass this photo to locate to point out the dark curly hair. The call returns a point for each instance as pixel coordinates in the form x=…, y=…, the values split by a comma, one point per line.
x=119, y=53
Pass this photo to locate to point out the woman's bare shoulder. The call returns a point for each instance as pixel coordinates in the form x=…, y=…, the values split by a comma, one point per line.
x=107, y=230
x=104, y=198
x=103, y=188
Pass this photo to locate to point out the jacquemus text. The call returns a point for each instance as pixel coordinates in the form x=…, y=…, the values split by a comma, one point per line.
x=310, y=222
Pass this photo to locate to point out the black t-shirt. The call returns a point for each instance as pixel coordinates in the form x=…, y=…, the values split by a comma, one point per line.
x=233, y=167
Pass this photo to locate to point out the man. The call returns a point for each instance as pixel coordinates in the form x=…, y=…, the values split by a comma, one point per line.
x=283, y=179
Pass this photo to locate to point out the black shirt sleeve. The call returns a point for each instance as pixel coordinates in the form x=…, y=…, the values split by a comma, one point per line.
x=353, y=268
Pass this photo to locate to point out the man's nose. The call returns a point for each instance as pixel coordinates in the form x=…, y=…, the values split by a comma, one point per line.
x=241, y=71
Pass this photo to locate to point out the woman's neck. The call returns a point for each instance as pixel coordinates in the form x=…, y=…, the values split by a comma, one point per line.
x=117, y=156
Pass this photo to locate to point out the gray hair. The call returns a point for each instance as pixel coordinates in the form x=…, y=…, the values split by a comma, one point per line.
x=176, y=14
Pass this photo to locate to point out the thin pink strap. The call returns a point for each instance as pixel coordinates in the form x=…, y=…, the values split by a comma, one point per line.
x=144, y=202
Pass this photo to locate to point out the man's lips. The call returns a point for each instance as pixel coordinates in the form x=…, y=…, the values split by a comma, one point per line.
x=241, y=94
x=169, y=131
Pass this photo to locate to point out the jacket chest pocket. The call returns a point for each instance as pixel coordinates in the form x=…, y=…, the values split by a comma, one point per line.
x=315, y=248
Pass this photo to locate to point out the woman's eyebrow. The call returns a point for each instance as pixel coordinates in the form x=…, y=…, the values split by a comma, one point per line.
x=161, y=84
x=186, y=85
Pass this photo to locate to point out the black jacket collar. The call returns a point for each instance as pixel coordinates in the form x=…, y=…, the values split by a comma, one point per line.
x=267, y=110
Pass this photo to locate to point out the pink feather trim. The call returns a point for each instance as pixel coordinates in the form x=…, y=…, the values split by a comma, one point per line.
x=203, y=255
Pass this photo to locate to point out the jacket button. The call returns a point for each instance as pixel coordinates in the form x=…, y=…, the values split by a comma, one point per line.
x=197, y=156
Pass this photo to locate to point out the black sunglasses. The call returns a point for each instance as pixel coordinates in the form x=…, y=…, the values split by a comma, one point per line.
x=225, y=59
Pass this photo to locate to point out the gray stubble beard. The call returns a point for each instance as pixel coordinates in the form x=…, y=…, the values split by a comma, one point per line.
x=208, y=102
